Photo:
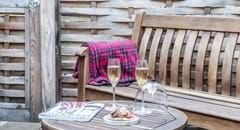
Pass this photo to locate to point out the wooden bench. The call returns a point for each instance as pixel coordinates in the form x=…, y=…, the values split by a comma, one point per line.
x=196, y=58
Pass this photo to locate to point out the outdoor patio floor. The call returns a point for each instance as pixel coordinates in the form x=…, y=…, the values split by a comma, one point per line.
x=5, y=125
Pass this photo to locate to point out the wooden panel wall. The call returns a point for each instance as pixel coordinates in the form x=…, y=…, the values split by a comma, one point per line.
x=20, y=72
x=89, y=20
x=14, y=60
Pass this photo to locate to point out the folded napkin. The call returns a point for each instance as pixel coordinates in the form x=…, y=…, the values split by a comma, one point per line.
x=100, y=52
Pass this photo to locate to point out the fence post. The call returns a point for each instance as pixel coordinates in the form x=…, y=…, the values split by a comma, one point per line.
x=48, y=56
x=35, y=61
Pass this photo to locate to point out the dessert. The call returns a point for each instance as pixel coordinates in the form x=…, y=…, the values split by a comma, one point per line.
x=122, y=113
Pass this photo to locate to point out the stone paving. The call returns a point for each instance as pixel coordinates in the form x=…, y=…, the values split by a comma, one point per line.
x=5, y=125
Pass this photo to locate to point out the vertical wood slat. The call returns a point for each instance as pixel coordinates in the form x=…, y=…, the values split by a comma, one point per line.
x=200, y=60
x=58, y=53
x=187, y=59
x=238, y=73
x=93, y=18
x=83, y=70
x=144, y=42
x=48, y=55
x=137, y=30
x=227, y=64
x=27, y=58
x=164, y=55
x=35, y=64
x=153, y=51
x=176, y=57
x=213, y=62
x=6, y=59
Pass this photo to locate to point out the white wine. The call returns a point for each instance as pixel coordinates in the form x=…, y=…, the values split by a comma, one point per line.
x=142, y=75
x=114, y=73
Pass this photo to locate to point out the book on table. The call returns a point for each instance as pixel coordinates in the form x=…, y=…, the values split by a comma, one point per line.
x=72, y=111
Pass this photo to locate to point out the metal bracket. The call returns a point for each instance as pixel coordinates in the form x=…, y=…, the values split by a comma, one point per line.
x=34, y=3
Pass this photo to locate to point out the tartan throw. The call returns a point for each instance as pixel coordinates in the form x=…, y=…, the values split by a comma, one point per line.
x=100, y=52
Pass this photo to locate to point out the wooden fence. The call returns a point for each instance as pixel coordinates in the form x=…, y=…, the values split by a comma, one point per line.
x=89, y=20
x=22, y=95
x=14, y=58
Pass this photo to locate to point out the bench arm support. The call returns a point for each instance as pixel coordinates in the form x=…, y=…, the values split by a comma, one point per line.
x=82, y=73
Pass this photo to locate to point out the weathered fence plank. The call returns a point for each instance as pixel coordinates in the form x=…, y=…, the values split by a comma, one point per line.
x=14, y=3
x=35, y=64
x=48, y=57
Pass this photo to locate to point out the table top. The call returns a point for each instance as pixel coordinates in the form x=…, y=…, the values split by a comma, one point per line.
x=171, y=120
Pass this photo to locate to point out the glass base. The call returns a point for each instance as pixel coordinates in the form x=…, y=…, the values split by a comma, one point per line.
x=142, y=112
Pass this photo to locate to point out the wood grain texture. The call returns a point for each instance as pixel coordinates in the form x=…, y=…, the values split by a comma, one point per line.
x=227, y=63
x=137, y=31
x=144, y=42
x=12, y=66
x=213, y=61
x=238, y=73
x=12, y=25
x=187, y=22
x=175, y=57
x=15, y=3
x=82, y=76
x=27, y=59
x=211, y=105
x=178, y=121
x=11, y=93
x=12, y=80
x=200, y=60
x=209, y=122
x=48, y=56
x=153, y=50
x=164, y=56
x=187, y=59
x=12, y=53
x=6, y=45
x=35, y=65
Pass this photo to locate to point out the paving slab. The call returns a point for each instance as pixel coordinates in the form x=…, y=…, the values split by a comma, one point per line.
x=5, y=125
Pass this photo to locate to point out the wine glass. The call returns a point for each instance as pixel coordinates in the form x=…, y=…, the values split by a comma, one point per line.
x=114, y=73
x=142, y=79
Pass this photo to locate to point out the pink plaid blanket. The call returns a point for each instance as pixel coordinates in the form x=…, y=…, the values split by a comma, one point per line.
x=99, y=52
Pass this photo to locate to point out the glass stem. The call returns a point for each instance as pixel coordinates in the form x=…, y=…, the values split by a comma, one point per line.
x=142, y=104
x=114, y=104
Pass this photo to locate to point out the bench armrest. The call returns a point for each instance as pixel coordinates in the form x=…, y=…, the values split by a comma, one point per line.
x=82, y=72
x=83, y=51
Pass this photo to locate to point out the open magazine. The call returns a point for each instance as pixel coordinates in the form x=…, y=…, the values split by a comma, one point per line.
x=72, y=111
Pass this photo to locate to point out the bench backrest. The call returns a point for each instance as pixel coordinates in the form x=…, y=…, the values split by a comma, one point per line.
x=199, y=53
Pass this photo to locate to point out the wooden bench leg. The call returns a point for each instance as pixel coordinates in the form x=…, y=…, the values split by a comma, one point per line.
x=82, y=77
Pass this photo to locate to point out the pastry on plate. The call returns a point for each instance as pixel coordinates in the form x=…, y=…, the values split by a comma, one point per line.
x=122, y=113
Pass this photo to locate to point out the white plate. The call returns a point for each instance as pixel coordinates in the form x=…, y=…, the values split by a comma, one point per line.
x=109, y=120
